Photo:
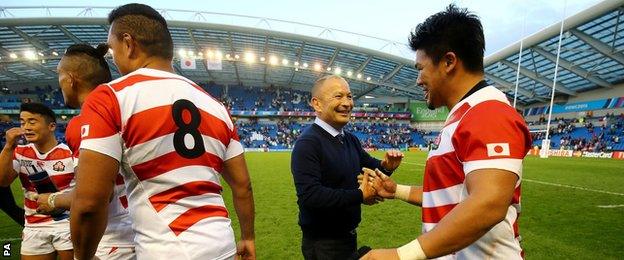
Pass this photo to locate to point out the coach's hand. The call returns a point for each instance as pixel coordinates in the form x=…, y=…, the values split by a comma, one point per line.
x=384, y=185
x=366, y=186
x=246, y=250
x=392, y=160
x=385, y=254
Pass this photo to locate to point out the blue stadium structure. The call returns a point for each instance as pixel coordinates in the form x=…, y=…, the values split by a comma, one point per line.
x=263, y=73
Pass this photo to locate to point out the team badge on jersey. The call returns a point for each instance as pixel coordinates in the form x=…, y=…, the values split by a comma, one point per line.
x=58, y=166
x=84, y=131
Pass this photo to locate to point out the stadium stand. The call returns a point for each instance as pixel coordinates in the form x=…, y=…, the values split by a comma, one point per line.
x=282, y=65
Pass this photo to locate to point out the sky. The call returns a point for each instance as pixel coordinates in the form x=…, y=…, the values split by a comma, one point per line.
x=505, y=21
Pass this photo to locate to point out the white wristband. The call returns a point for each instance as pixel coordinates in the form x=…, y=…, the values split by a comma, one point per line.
x=51, y=199
x=411, y=251
x=402, y=192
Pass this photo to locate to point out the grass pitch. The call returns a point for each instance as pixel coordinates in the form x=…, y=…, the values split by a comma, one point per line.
x=569, y=209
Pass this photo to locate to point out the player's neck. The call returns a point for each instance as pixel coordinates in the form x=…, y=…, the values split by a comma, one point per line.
x=82, y=95
x=47, y=145
x=460, y=85
x=157, y=64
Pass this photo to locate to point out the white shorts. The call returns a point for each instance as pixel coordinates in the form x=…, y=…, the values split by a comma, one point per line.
x=115, y=253
x=43, y=241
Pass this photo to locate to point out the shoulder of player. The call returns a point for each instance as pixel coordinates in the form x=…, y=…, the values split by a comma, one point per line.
x=60, y=150
x=490, y=109
x=22, y=149
x=74, y=121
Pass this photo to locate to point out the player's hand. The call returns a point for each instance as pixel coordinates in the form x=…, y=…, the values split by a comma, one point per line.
x=246, y=250
x=384, y=185
x=392, y=160
x=12, y=135
x=385, y=254
x=43, y=206
x=368, y=192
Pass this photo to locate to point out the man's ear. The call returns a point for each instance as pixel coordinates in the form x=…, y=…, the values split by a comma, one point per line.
x=73, y=81
x=315, y=104
x=129, y=43
x=450, y=61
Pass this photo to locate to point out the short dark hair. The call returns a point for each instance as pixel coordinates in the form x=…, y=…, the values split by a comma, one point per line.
x=41, y=109
x=146, y=26
x=453, y=30
x=97, y=71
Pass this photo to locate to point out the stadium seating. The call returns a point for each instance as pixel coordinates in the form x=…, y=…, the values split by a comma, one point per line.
x=594, y=134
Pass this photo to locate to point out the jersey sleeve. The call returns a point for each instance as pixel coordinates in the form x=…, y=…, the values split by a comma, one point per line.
x=492, y=135
x=72, y=135
x=16, y=163
x=235, y=147
x=100, y=123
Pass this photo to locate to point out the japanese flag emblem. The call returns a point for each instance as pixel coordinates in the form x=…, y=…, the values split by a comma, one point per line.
x=498, y=149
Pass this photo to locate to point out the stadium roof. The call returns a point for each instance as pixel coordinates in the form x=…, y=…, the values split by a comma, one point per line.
x=591, y=52
x=590, y=58
x=30, y=49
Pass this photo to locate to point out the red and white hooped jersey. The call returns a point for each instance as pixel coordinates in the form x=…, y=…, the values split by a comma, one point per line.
x=118, y=231
x=481, y=132
x=60, y=168
x=171, y=139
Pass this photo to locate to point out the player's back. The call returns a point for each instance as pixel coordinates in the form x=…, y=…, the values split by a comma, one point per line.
x=175, y=139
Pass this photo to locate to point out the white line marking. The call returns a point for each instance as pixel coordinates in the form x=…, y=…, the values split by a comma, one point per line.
x=574, y=187
x=551, y=184
x=419, y=164
x=10, y=239
x=610, y=206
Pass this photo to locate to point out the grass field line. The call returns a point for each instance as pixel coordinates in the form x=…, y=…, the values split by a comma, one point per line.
x=574, y=187
x=10, y=239
x=551, y=184
x=610, y=206
x=411, y=163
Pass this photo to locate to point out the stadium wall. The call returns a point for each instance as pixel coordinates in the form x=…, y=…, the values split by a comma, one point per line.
x=597, y=94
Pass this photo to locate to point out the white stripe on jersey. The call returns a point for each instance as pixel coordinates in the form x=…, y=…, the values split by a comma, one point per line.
x=160, y=146
x=234, y=149
x=168, y=90
x=443, y=197
x=512, y=165
x=446, y=144
x=486, y=94
x=177, y=177
x=173, y=210
x=103, y=146
x=426, y=227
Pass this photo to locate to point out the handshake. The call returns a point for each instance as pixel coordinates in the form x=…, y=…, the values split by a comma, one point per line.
x=376, y=186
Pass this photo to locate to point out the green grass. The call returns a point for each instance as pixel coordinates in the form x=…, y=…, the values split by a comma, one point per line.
x=556, y=222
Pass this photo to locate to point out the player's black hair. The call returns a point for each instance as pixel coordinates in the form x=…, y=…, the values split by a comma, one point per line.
x=41, y=109
x=146, y=26
x=453, y=30
x=93, y=66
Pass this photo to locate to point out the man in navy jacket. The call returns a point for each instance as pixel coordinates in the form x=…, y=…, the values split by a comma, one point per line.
x=325, y=164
